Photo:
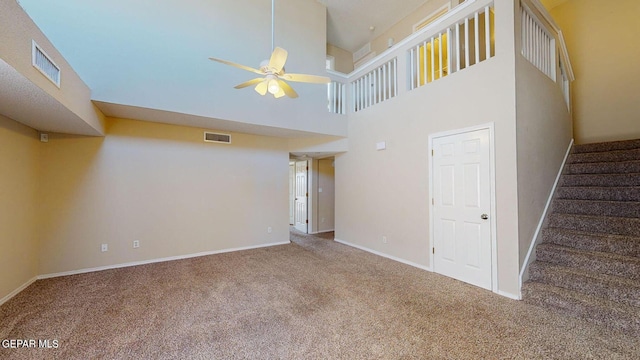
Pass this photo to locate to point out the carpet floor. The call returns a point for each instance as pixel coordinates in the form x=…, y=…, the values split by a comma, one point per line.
x=311, y=299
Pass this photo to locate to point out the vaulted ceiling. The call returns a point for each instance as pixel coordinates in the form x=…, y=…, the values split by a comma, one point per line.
x=147, y=60
x=349, y=22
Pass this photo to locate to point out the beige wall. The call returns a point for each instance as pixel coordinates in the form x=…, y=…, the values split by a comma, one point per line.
x=343, y=58
x=602, y=41
x=18, y=185
x=404, y=27
x=162, y=185
x=386, y=193
x=544, y=132
x=325, y=203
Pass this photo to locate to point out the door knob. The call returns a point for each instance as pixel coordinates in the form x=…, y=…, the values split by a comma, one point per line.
x=484, y=216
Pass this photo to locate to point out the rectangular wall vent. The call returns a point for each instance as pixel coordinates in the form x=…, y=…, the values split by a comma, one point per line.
x=44, y=64
x=217, y=138
x=364, y=51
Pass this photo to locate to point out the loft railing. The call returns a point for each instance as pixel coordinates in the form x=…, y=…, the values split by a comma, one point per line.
x=538, y=45
x=465, y=43
x=396, y=70
x=336, y=92
x=337, y=96
x=463, y=37
x=376, y=86
x=543, y=45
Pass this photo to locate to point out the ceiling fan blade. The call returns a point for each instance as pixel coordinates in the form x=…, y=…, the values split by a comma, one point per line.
x=307, y=78
x=278, y=59
x=287, y=89
x=238, y=66
x=249, y=83
x=262, y=87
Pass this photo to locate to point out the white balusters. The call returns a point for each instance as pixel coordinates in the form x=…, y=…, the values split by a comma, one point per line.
x=466, y=42
x=452, y=49
x=538, y=45
x=458, y=47
x=378, y=85
x=337, y=97
x=476, y=35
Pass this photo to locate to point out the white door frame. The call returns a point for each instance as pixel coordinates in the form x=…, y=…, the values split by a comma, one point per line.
x=492, y=216
x=292, y=192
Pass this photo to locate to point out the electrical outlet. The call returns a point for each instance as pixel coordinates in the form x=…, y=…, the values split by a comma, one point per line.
x=322, y=220
x=269, y=229
x=384, y=239
x=136, y=244
x=104, y=247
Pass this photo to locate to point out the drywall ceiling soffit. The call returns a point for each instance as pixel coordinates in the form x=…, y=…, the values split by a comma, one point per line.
x=349, y=21
x=25, y=102
x=312, y=155
x=168, y=117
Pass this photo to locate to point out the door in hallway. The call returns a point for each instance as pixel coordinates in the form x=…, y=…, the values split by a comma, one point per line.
x=302, y=195
x=461, y=207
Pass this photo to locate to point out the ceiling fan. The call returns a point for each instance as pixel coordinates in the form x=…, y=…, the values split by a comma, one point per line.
x=272, y=71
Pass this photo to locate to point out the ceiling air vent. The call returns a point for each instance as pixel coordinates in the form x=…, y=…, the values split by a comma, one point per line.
x=217, y=138
x=44, y=64
x=362, y=52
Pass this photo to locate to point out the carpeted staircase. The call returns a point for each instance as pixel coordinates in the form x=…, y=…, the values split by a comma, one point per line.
x=588, y=263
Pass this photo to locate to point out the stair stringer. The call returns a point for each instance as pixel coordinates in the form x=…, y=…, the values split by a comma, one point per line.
x=544, y=220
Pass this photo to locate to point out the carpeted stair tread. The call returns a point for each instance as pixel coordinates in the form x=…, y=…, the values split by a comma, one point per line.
x=616, y=244
x=602, y=262
x=600, y=311
x=619, y=167
x=629, y=193
x=588, y=262
x=597, y=224
x=602, y=180
x=629, y=209
x=616, y=155
x=607, y=146
x=608, y=287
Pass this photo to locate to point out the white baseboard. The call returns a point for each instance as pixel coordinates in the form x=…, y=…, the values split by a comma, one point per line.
x=499, y=292
x=383, y=255
x=320, y=232
x=509, y=295
x=18, y=290
x=544, y=215
x=144, y=262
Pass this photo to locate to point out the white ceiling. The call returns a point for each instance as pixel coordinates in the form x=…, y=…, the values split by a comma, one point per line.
x=349, y=21
x=91, y=42
x=97, y=35
x=148, y=60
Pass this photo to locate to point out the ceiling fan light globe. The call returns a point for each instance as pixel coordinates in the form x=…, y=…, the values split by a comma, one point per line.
x=279, y=94
x=274, y=87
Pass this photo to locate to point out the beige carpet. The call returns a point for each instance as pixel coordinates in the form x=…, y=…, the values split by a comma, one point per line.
x=312, y=299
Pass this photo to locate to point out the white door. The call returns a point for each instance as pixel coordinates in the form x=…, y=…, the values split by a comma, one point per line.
x=461, y=207
x=301, y=196
x=292, y=193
